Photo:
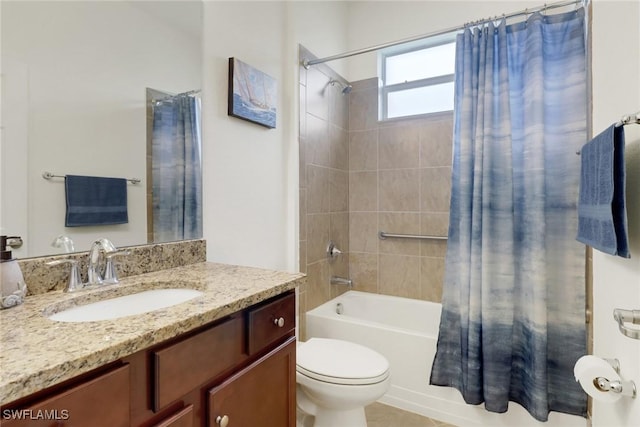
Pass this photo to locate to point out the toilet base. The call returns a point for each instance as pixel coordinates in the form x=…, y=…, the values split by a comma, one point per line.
x=303, y=419
x=329, y=418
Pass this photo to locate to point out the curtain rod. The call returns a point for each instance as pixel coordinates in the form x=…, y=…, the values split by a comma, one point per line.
x=170, y=97
x=306, y=63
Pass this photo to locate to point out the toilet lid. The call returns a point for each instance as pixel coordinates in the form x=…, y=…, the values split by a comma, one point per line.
x=340, y=362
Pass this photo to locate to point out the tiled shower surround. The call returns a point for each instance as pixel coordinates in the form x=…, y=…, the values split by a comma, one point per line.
x=358, y=176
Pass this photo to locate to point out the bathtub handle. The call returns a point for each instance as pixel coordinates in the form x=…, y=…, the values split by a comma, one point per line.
x=279, y=322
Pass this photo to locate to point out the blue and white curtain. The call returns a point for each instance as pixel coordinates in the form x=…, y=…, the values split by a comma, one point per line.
x=513, y=319
x=176, y=169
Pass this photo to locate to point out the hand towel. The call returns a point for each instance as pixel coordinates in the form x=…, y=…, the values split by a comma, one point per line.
x=95, y=200
x=602, y=215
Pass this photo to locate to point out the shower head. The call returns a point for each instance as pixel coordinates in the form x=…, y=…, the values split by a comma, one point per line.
x=345, y=88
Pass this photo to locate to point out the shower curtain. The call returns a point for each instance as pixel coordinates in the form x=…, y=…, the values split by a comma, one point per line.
x=513, y=319
x=176, y=169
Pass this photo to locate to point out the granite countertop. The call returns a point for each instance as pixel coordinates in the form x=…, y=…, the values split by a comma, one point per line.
x=36, y=352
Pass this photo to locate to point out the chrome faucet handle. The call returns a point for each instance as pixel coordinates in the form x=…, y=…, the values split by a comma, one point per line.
x=65, y=242
x=98, y=246
x=75, y=283
x=332, y=251
x=111, y=274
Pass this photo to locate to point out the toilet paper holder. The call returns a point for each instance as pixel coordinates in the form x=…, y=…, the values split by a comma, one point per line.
x=624, y=388
x=630, y=317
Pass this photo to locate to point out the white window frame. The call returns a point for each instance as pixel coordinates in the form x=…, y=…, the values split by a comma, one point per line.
x=385, y=89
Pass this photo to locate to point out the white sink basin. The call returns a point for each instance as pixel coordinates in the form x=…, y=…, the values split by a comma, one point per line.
x=128, y=305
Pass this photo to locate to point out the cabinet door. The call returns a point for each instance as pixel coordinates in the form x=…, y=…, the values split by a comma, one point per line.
x=100, y=402
x=263, y=394
x=184, y=418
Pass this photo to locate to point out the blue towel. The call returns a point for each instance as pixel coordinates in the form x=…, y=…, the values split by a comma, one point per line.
x=95, y=201
x=602, y=215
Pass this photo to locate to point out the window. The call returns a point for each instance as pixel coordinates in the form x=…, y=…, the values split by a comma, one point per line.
x=417, y=77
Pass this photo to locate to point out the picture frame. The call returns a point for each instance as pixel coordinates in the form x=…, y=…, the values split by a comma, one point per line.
x=252, y=94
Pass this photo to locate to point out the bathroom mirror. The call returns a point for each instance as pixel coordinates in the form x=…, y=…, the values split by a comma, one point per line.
x=75, y=78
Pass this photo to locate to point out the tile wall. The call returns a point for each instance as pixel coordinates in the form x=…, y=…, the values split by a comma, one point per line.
x=324, y=183
x=359, y=176
x=399, y=182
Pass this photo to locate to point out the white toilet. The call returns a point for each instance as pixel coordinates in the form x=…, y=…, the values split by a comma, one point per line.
x=336, y=380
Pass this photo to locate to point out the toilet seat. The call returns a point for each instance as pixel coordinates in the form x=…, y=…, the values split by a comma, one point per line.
x=340, y=362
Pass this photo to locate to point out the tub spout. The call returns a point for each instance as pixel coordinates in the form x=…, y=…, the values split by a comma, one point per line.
x=335, y=280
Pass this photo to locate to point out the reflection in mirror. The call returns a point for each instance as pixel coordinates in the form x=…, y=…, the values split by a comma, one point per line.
x=74, y=102
x=174, y=210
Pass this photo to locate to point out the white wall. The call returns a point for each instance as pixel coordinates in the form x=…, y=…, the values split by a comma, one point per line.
x=322, y=27
x=616, y=92
x=245, y=171
x=372, y=23
x=251, y=172
x=88, y=65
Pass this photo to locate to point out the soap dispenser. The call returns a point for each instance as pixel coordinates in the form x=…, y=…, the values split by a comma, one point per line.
x=12, y=286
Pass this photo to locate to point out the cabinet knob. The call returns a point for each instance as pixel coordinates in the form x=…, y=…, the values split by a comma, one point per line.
x=279, y=322
x=222, y=421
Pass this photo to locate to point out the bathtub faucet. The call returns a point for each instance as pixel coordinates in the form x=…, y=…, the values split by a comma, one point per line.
x=335, y=280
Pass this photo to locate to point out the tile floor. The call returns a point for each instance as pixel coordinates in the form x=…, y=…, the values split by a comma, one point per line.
x=379, y=415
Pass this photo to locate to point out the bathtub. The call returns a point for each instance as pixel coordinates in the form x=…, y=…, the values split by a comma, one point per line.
x=405, y=331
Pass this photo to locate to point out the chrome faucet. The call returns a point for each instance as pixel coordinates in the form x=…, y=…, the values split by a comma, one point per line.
x=110, y=271
x=104, y=245
x=75, y=283
x=335, y=280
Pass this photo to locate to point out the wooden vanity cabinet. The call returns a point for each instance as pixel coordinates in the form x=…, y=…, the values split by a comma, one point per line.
x=241, y=366
x=102, y=401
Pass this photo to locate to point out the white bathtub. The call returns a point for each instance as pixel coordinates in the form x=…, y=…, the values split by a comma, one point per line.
x=405, y=331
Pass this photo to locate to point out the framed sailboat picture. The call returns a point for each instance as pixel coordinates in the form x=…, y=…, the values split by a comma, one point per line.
x=252, y=94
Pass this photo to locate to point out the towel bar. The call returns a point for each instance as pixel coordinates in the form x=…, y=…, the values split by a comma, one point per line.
x=49, y=175
x=625, y=120
x=630, y=119
x=630, y=317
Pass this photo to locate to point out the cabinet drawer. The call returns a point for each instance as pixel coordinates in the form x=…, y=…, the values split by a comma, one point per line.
x=100, y=402
x=271, y=321
x=183, y=366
